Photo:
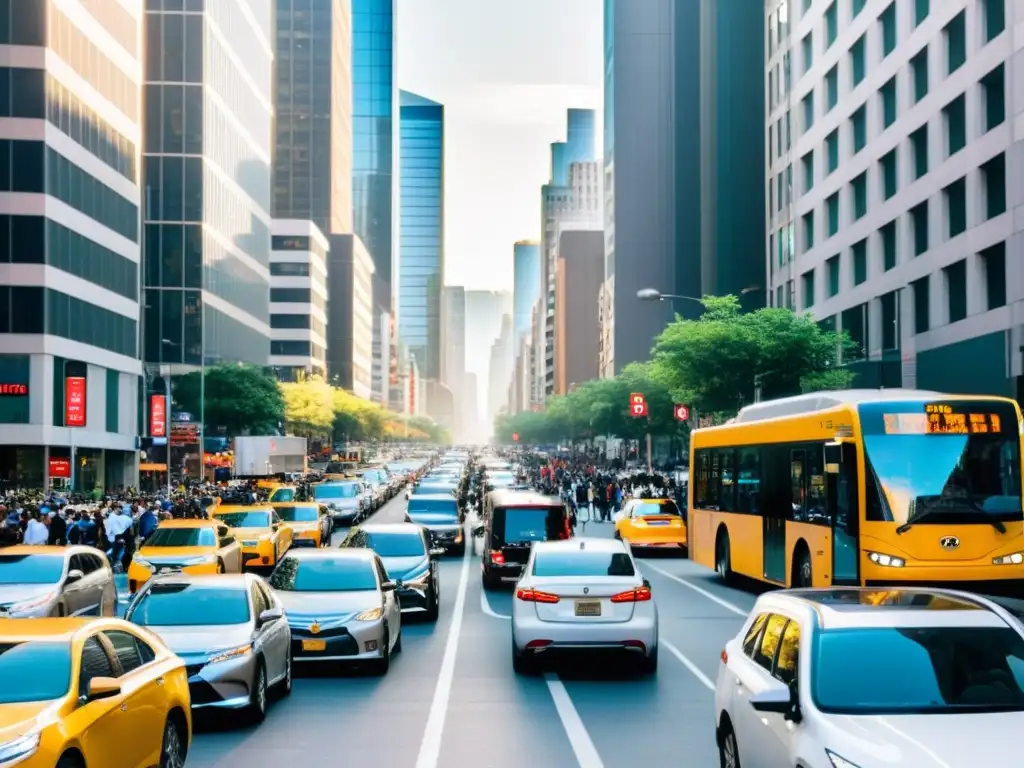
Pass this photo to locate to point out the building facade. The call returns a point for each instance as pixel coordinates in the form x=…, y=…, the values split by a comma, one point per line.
x=896, y=183
x=484, y=310
x=499, y=371
x=69, y=244
x=350, y=317
x=421, y=243
x=313, y=111
x=526, y=284
x=298, y=299
x=453, y=334
x=578, y=278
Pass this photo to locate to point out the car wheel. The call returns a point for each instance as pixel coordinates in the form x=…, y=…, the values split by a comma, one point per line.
x=174, y=749
x=433, y=610
x=382, y=664
x=728, y=752
x=521, y=663
x=286, y=684
x=649, y=664
x=258, y=694
x=723, y=560
x=69, y=761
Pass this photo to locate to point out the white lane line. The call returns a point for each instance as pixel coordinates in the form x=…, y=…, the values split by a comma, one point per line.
x=688, y=664
x=699, y=590
x=579, y=739
x=485, y=606
x=430, y=747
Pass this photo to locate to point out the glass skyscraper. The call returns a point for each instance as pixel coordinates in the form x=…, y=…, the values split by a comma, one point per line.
x=580, y=145
x=374, y=139
x=207, y=181
x=421, y=248
x=525, y=285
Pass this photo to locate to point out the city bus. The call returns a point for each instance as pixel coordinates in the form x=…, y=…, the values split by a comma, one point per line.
x=862, y=487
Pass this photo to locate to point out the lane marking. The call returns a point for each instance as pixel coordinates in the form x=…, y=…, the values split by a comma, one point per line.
x=430, y=747
x=579, y=739
x=688, y=664
x=699, y=590
x=485, y=606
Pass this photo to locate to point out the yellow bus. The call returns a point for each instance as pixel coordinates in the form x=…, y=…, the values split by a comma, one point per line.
x=862, y=487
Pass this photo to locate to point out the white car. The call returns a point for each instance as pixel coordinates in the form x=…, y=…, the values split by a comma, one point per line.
x=578, y=594
x=864, y=678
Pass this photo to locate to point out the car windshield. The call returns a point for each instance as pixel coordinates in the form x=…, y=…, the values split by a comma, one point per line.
x=258, y=519
x=283, y=494
x=31, y=569
x=521, y=526
x=298, y=514
x=323, y=574
x=943, y=463
x=433, y=508
x=34, y=671
x=579, y=562
x=336, y=491
x=186, y=605
x=650, y=509
x=182, y=537
x=396, y=544
x=920, y=670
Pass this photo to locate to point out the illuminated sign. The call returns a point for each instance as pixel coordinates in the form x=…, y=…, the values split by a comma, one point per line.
x=14, y=390
x=74, y=401
x=942, y=420
x=158, y=416
x=60, y=467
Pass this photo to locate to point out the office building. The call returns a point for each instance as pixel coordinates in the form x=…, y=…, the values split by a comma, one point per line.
x=578, y=278
x=526, y=284
x=69, y=244
x=453, y=337
x=350, y=317
x=484, y=310
x=298, y=299
x=207, y=182
x=684, y=207
x=499, y=371
x=313, y=110
x=474, y=430
x=421, y=243
x=894, y=175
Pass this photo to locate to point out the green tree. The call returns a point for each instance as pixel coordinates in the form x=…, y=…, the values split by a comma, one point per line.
x=240, y=399
x=308, y=406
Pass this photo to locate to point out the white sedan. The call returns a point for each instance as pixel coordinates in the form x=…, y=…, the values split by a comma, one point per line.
x=864, y=678
x=580, y=594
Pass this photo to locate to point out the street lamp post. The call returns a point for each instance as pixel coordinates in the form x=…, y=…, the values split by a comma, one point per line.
x=653, y=294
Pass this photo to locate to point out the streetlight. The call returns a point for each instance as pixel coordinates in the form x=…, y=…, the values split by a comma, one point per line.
x=653, y=294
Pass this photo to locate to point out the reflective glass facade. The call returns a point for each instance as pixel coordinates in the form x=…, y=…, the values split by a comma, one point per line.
x=374, y=138
x=580, y=145
x=525, y=286
x=207, y=181
x=421, y=249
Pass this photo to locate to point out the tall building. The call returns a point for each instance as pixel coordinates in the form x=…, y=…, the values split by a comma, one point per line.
x=207, y=184
x=69, y=243
x=421, y=244
x=298, y=299
x=453, y=335
x=351, y=334
x=903, y=232
x=578, y=278
x=313, y=111
x=484, y=310
x=526, y=277
x=684, y=207
x=474, y=429
x=499, y=371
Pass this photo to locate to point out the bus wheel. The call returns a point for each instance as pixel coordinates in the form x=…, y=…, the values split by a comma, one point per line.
x=723, y=559
x=802, y=569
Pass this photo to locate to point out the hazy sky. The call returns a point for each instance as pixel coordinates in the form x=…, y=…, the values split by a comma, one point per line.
x=506, y=71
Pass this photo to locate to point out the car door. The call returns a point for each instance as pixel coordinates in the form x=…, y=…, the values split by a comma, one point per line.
x=261, y=639
x=780, y=743
x=102, y=722
x=144, y=700
x=752, y=672
x=105, y=585
x=392, y=607
x=93, y=583
x=279, y=636
x=76, y=594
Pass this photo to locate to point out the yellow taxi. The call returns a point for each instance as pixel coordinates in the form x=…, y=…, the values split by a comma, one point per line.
x=309, y=520
x=264, y=538
x=192, y=546
x=99, y=692
x=283, y=493
x=651, y=523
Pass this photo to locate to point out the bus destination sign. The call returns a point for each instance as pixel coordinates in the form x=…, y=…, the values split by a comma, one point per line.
x=942, y=420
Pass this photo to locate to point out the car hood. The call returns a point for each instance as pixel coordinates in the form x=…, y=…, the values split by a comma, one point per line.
x=401, y=567
x=305, y=607
x=201, y=641
x=18, y=719
x=19, y=593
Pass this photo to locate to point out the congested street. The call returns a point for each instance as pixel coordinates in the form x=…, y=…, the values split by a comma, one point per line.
x=451, y=698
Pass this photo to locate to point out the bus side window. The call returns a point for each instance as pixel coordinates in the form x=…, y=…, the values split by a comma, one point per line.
x=727, y=475
x=705, y=489
x=817, y=497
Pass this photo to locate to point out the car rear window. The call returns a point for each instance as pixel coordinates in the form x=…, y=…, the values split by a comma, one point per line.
x=522, y=526
x=651, y=508
x=579, y=562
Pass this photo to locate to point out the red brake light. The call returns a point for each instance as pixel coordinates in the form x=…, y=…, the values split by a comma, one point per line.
x=497, y=558
x=534, y=596
x=638, y=595
x=725, y=656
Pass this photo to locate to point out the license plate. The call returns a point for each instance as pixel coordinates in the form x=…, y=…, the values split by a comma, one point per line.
x=314, y=645
x=659, y=522
x=588, y=608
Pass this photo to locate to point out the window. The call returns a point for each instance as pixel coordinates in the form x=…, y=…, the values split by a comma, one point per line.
x=922, y=307
x=95, y=663
x=67, y=112
x=888, y=95
x=833, y=276
x=113, y=393
x=808, y=225
x=919, y=74
x=859, y=189
x=727, y=473
x=994, y=17
x=73, y=253
x=765, y=654
x=291, y=295
x=706, y=488
x=919, y=222
x=831, y=88
x=859, y=129
x=807, y=47
x=750, y=642
x=290, y=243
x=788, y=660
x=808, y=105
x=831, y=25
x=290, y=348
x=955, y=34
x=857, y=61
x=919, y=148
x=126, y=650
x=888, y=235
x=888, y=166
x=854, y=322
x=955, y=117
x=832, y=208
x=808, y=288
x=860, y=262
x=993, y=261
x=955, y=196
x=832, y=150
x=994, y=96
x=291, y=322
x=289, y=269
x=956, y=290
x=259, y=602
x=807, y=162
x=993, y=176
x=748, y=477
x=887, y=21
x=921, y=8
x=72, y=318
x=890, y=322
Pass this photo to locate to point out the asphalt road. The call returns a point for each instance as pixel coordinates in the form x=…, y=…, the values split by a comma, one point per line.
x=452, y=700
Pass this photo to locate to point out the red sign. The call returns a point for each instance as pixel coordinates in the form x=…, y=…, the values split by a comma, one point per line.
x=158, y=415
x=637, y=405
x=60, y=467
x=16, y=390
x=682, y=413
x=74, y=401
x=515, y=437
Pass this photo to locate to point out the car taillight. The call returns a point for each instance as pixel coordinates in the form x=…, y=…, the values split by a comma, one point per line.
x=497, y=558
x=534, y=596
x=638, y=595
x=725, y=656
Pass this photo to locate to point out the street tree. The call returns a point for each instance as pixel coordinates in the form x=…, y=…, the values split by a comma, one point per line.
x=238, y=399
x=308, y=406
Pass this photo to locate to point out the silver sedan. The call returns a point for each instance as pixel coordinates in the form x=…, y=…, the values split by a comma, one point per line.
x=231, y=632
x=341, y=606
x=55, y=581
x=580, y=594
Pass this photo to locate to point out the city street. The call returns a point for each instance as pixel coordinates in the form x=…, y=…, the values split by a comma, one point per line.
x=451, y=698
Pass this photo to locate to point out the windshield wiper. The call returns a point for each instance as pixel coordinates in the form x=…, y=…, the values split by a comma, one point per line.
x=956, y=503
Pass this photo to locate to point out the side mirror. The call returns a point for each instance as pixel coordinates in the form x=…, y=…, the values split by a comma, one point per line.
x=74, y=575
x=437, y=552
x=777, y=699
x=276, y=526
x=389, y=586
x=103, y=688
x=269, y=615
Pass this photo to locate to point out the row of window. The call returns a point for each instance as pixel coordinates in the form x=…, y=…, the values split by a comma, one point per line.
x=297, y=349
x=174, y=48
x=117, y=20
x=173, y=256
x=289, y=269
x=299, y=322
x=297, y=296
x=173, y=326
x=233, y=279
x=76, y=254
x=174, y=119
x=302, y=243
x=173, y=188
x=77, y=188
x=172, y=6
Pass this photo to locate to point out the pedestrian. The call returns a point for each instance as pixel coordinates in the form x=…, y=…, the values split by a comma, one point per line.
x=36, y=532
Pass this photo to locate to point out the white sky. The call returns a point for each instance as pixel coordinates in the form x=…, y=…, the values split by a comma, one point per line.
x=506, y=71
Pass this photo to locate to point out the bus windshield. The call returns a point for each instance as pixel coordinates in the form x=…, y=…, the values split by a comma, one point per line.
x=942, y=463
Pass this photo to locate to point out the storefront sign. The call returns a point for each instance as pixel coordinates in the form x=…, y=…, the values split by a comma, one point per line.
x=184, y=434
x=14, y=390
x=74, y=401
x=60, y=467
x=157, y=416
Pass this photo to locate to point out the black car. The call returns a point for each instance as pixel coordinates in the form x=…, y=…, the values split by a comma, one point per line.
x=512, y=522
x=441, y=515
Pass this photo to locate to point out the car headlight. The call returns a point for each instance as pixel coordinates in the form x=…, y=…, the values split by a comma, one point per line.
x=200, y=560
x=1015, y=559
x=30, y=605
x=839, y=762
x=230, y=653
x=19, y=749
x=371, y=615
x=888, y=561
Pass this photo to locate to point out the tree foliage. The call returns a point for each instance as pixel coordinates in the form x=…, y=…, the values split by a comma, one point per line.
x=308, y=406
x=239, y=399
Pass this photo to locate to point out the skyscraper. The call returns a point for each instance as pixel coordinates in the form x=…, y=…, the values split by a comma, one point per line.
x=499, y=372
x=484, y=310
x=313, y=109
x=69, y=243
x=525, y=284
x=421, y=245
x=207, y=183
x=453, y=336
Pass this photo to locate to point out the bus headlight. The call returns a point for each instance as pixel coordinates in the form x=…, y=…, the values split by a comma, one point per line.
x=1015, y=559
x=887, y=561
